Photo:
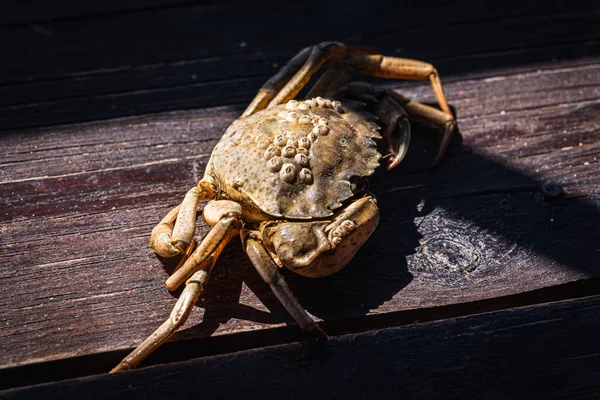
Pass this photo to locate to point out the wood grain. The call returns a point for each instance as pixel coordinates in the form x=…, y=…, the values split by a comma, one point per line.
x=484, y=231
x=79, y=203
x=547, y=351
x=114, y=60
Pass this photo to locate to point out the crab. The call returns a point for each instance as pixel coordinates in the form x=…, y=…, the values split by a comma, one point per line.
x=289, y=177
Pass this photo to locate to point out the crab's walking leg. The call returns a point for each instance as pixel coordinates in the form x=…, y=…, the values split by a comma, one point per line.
x=268, y=270
x=423, y=113
x=160, y=239
x=273, y=85
x=337, y=73
x=193, y=289
x=175, y=232
x=326, y=51
x=286, y=83
x=401, y=68
x=334, y=77
x=225, y=216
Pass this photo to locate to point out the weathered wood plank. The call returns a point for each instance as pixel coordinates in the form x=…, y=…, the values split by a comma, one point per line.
x=190, y=55
x=29, y=12
x=548, y=351
x=78, y=203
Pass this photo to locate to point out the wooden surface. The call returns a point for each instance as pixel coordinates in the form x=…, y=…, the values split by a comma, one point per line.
x=487, y=230
x=491, y=352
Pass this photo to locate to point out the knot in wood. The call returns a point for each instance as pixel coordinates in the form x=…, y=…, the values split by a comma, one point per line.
x=451, y=254
x=552, y=191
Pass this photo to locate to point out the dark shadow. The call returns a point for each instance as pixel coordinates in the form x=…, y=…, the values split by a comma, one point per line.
x=484, y=194
x=513, y=209
x=79, y=63
x=347, y=294
x=193, y=57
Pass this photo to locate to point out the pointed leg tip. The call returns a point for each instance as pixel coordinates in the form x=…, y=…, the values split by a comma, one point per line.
x=323, y=336
x=395, y=160
x=319, y=333
x=446, y=139
x=438, y=159
x=123, y=366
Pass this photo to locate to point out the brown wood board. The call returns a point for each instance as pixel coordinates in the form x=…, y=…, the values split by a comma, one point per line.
x=547, y=351
x=510, y=218
x=77, y=62
x=79, y=202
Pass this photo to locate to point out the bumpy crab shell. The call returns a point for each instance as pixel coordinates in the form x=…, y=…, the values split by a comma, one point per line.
x=295, y=160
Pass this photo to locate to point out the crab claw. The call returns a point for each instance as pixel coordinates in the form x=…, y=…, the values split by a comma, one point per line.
x=395, y=129
x=398, y=142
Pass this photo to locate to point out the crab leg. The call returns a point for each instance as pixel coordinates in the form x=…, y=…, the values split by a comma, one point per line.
x=334, y=77
x=286, y=83
x=225, y=217
x=401, y=68
x=326, y=51
x=268, y=271
x=277, y=81
x=226, y=221
x=174, y=233
x=395, y=128
x=160, y=239
x=423, y=113
x=193, y=289
x=322, y=53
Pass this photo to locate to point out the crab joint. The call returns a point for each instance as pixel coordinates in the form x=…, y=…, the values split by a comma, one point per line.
x=217, y=210
x=210, y=248
x=185, y=225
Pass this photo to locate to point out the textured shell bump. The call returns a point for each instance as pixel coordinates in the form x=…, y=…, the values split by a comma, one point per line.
x=296, y=160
